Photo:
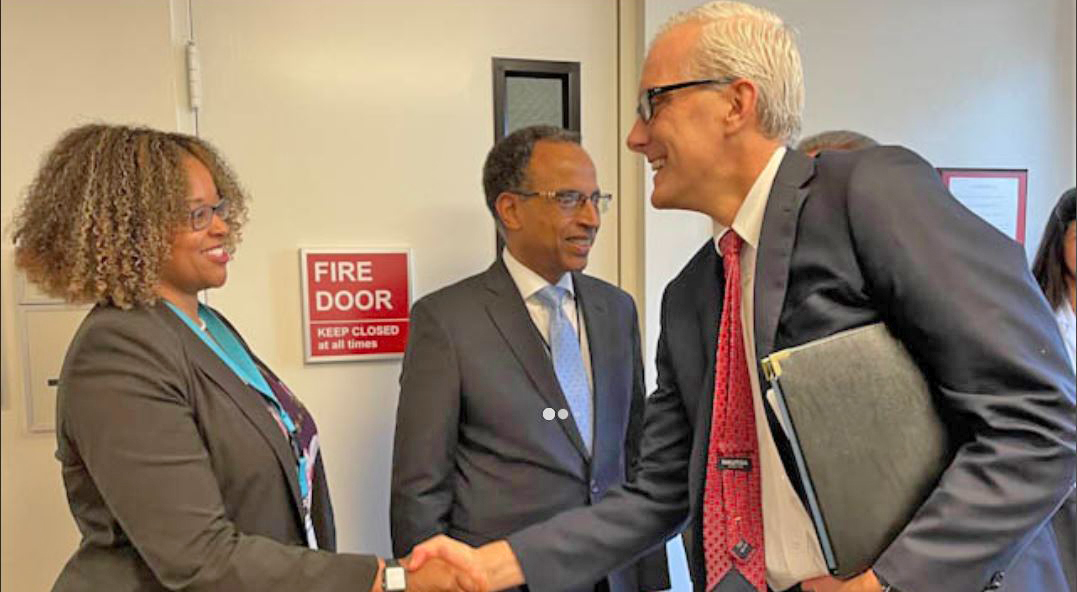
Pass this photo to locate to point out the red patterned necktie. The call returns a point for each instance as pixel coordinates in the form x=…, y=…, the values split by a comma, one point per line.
x=732, y=502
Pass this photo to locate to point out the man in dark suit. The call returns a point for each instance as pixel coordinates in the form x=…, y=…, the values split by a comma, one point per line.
x=522, y=387
x=806, y=248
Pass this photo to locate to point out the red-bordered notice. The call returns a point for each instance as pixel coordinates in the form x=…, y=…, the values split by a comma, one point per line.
x=356, y=303
x=999, y=196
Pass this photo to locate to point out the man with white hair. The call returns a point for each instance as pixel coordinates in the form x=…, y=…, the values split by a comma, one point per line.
x=804, y=248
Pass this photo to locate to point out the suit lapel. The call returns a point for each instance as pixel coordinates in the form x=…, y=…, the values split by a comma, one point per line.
x=245, y=398
x=596, y=318
x=709, y=296
x=776, y=242
x=509, y=314
x=709, y=299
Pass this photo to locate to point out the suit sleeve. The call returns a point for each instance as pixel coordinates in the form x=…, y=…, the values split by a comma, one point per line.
x=582, y=545
x=960, y=296
x=125, y=411
x=652, y=570
x=424, y=446
x=634, y=431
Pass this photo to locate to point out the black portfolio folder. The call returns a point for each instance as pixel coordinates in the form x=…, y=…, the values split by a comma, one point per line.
x=867, y=438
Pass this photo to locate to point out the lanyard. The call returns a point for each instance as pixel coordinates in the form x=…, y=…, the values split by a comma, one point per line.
x=228, y=348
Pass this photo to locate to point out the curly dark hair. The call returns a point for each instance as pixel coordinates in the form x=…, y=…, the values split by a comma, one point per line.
x=97, y=222
x=1049, y=267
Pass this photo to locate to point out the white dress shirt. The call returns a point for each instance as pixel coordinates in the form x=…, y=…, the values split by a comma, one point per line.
x=530, y=284
x=792, y=549
x=1067, y=323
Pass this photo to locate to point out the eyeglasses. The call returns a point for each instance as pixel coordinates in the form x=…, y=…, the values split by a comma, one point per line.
x=646, y=105
x=202, y=216
x=571, y=200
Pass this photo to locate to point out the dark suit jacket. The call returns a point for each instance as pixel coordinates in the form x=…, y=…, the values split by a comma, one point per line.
x=176, y=472
x=473, y=456
x=850, y=239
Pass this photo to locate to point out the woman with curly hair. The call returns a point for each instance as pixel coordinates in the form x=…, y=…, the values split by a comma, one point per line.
x=188, y=464
x=1054, y=267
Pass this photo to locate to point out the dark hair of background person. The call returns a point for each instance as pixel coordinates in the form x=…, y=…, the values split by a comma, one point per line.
x=506, y=164
x=835, y=140
x=1049, y=267
x=97, y=222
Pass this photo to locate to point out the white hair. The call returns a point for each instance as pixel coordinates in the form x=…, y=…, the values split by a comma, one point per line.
x=745, y=41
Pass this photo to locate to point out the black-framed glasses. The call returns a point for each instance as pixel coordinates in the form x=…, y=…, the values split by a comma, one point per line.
x=646, y=105
x=202, y=216
x=570, y=200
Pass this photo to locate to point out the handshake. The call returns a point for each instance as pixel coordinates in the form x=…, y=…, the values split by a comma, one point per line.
x=442, y=564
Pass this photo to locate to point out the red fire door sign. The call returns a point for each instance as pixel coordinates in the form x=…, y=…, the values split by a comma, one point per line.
x=355, y=303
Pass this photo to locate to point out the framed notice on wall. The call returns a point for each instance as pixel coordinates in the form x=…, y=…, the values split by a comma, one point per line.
x=998, y=196
x=356, y=303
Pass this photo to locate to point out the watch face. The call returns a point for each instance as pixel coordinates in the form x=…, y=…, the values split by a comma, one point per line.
x=395, y=579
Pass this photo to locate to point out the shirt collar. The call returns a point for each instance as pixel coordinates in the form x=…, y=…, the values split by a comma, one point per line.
x=527, y=281
x=748, y=222
x=1065, y=312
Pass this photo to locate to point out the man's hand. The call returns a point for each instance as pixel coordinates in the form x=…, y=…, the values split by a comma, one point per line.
x=492, y=567
x=459, y=555
x=436, y=575
x=865, y=582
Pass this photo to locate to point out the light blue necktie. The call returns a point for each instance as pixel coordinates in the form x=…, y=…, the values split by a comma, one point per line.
x=568, y=361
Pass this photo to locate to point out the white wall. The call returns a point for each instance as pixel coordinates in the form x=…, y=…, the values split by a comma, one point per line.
x=338, y=110
x=366, y=124
x=966, y=83
x=350, y=123
x=64, y=63
x=1067, y=73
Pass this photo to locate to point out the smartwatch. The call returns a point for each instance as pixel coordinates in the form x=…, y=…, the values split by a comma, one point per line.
x=883, y=583
x=394, y=578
